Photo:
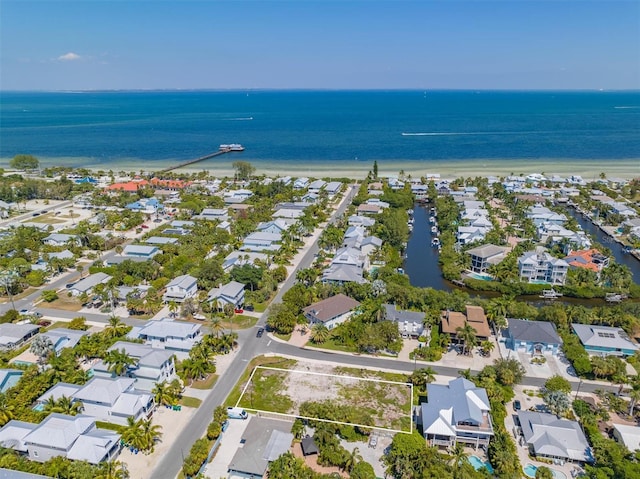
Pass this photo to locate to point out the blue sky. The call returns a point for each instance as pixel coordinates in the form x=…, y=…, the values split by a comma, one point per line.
x=152, y=44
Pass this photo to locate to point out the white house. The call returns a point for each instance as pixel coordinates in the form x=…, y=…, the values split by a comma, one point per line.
x=540, y=267
x=73, y=437
x=181, y=288
x=140, y=251
x=316, y=186
x=176, y=336
x=59, y=239
x=231, y=293
x=301, y=183
x=87, y=284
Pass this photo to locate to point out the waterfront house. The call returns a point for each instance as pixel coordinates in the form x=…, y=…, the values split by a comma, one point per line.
x=301, y=183
x=153, y=365
x=333, y=188
x=87, y=284
x=540, y=267
x=369, y=209
x=73, y=437
x=549, y=437
x=343, y=273
x=231, y=293
x=181, y=288
x=534, y=337
x=590, y=259
x=471, y=234
x=604, y=340
x=485, y=256
x=13, y=335
x=458, y=412
x=176, y=336
x=362, y=221
x=410, y=323
x=316, y=186
x=106, y=399
x=541, y=214
x=9, y=378
x=331, y=311
x=140, y=251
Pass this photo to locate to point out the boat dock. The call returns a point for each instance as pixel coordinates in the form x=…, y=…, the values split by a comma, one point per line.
x=223, y=149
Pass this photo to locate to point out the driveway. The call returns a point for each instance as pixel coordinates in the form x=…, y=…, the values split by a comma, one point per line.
x=228, y=446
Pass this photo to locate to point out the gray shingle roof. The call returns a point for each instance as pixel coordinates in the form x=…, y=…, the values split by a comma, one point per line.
x=533, y=331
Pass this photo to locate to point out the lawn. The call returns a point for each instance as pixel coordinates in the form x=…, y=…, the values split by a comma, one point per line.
x=205, y=383
x=333, y=346
x=65, y=303
x=265, y=392
x=187, y=401
x=275, y=361
x=48, y=218
x=240, y=321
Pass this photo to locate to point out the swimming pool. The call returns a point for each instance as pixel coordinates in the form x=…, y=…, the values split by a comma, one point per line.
x=480, y=276
x=558, y=474
x=478, y=464
x=530, y=470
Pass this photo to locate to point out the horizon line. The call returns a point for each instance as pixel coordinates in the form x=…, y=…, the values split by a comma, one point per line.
x=293, y=89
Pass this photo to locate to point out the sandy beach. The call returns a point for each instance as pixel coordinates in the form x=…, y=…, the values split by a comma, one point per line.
x=358, y=169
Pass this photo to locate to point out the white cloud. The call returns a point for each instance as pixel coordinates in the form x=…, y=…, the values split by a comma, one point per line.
x=69, y=57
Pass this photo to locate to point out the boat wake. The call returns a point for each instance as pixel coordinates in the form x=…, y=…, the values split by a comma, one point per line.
x=474, y=133
x=248, y=118
x=626, y=107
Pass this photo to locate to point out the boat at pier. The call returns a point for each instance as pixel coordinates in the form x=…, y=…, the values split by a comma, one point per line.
x=550, y=294
x=232, y=147
x=435, y=242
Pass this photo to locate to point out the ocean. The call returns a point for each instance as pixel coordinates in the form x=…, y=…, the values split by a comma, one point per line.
x=324, y=130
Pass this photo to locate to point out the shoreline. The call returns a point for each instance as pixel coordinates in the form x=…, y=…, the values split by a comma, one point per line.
x=358, y=169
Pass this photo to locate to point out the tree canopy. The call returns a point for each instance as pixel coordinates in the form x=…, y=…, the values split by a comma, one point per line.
x=24, y=162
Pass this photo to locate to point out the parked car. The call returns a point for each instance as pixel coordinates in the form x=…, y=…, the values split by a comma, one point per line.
x=236, y=413
x=517, y=405
x=260, y=333
x=145, y=226
x=238, y=310
x=24, y=312
x=249, y=307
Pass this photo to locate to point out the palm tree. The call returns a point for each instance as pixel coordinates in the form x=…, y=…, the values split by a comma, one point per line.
x=457, y=456
x=6, y=410
x=487, y=346
x=163, y=393
x=215, y=324
x=423, y=376
x=150, y=434
x=467, y=334
x=319, y=333
x=119, y=361
x=66, y=405
x=116, y=327
x=194, y=369
x=173, y=308
x=112, y=470
x=351, y=460
x=42, y=347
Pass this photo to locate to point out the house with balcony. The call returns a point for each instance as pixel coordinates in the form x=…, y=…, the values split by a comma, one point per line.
x=261, y=241
x=540, y=267
x=590, y=259
x=331, y=311
x=153, y=365
x=73, y=437
x=231, y=293
x=106, y=399
x=301, y=183
x=485, y=256
x=410, y=323
x=450, y=321
x=316, y=186
x=458, y=412
x=213, y=214
x=604, y=340
x=176, y=336
x=181, y=288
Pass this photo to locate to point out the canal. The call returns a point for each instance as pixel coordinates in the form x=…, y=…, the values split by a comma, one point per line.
x=421, y=263
x=604, y=239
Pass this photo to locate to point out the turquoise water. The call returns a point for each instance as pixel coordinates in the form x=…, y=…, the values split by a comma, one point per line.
x=530, y=470
x=481, y=277
x=478, y=464
x=287, y=127
x=39, y=407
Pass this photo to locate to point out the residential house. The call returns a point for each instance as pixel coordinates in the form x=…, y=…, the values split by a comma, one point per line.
x=331, y=311
x=549, y=233
x=288, y=213
x=450, y=321
x=316, y=186
x=486, y=256
x=153, y=365
x=590, y=259
x=343, y=273
x=140, y=251
x=219, y=214
x=333, y=188
x=239, y=258
x=362, y=221
x=541, y=214
x=236, y=196
x=231, y=293
x=161, y=240
x=184, y=225
x=73, y=437
x=458, y=412
x=260, y=241
x=60, y=239
x=369, y=209
x=65, y=254
x=176, y=336
x=627, y=435
x=181, y=288
x=471, y=234
x=604, y=340
x=310, y=198
x=263, y=441
x=13, y=335
x=9, y=378
x=410, y=323
x=106, y=399
x=301, y=183
x=534, y=337
x=277, y=226
x=62, y=338
x=549, y=437
x=87, y=284
x=147, y=206
x=540, y=267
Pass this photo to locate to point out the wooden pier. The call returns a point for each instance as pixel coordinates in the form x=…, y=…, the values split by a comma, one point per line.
x=220, y=152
